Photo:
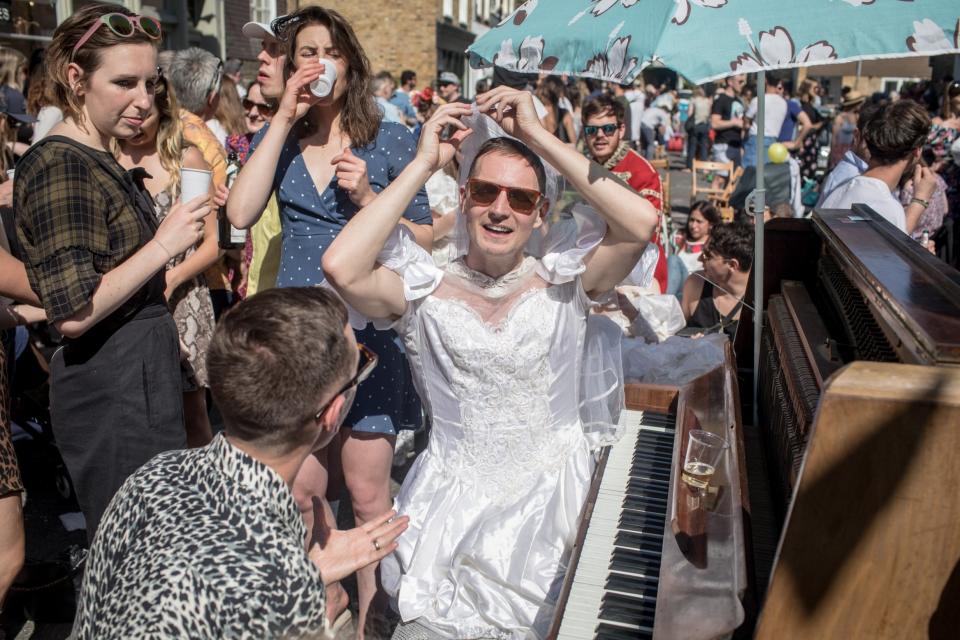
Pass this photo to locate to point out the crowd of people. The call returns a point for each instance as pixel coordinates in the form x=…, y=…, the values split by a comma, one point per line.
x=404, y=260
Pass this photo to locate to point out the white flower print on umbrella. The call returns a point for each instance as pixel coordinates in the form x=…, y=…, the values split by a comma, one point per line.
x=928, y=36
x=602, y=6
x=612, y=64
x=776, y=49
x=683, y=8
x=530, y=59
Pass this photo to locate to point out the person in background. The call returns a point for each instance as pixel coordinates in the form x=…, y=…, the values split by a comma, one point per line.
x=698, y=137
x=894, y=138
x=944, y=135
x=401, y=97
x=845, y=126
x=557, y=120
x=383, y=87
x=265, y=237
x=726, y=120
x=713, y=299
x=13, y=74
x=259, y=268
x=40, y=102
x=603, y=133
x=229, y=117
x=233, y=69
x=95, y=256
x=325, y=158
x=776, y=113
x=807, y=143
x=195, y=76
x=448, y=86
x=208, y=543
x=159, y=149
x=854, y=161
x=656, y=123
x=690, y=241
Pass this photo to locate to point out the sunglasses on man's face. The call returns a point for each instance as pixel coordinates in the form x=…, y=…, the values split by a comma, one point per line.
x=262, y=107
x=486, y=193
x=365, y=366
x=591, y=130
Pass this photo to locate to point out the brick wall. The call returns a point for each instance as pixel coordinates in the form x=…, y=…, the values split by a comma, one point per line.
x=236, y=13
x=396, y=35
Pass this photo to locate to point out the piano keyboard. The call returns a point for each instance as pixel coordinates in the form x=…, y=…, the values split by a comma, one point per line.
x=614, y=592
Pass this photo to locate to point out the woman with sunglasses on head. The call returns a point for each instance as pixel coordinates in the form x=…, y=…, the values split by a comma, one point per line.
x=325, y=158
x=95, y=256
x=498, y=344
x=160, y=150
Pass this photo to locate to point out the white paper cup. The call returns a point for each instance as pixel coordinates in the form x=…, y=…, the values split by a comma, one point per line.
x=193, y=183
x=322, y=86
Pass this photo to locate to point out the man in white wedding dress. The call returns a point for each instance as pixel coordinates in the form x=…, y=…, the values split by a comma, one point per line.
x=497, y=343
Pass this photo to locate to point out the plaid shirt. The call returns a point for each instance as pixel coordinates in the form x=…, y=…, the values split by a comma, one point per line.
x=75, y=222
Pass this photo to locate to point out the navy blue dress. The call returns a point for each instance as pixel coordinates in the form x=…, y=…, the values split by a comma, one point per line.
x=310, y=220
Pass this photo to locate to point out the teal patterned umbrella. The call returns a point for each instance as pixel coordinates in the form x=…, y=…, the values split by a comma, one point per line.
x=709, y=39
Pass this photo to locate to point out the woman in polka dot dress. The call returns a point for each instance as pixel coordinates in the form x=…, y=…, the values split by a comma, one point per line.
x=326, y=158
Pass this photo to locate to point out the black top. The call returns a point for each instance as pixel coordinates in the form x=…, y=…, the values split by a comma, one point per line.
x=811, y=112
x=561, y=131
x=728, y=108
x=707, y=317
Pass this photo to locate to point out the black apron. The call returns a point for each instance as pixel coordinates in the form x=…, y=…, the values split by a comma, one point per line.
x=115, y=392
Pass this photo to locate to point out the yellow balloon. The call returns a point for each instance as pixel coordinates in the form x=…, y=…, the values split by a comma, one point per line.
x=778, y=153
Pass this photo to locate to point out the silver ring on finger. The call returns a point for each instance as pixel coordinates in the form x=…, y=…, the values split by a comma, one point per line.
x=376, y=545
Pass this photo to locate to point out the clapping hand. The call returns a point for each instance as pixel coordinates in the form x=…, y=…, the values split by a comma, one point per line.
x=436, y=153
x=352, y=177
x=337, y=554
x=513, y=110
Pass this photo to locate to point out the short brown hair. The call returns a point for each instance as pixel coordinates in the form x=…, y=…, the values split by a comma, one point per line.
x=894, y=133
x=60, y=52
x=514, y=148
x=600, y=105
x=273, y=360
x=360, y=117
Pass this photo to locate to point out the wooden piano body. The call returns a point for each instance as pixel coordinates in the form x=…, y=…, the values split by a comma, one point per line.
x=849, y=482
x=860, y=432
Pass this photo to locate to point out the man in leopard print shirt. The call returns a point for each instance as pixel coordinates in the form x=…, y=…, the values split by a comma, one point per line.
x=209, y=543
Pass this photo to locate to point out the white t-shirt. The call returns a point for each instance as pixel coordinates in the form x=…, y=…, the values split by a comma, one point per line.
x=776, y=113
x=871, y=192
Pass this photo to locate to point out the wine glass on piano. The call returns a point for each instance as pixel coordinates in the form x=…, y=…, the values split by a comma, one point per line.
x=704, y=450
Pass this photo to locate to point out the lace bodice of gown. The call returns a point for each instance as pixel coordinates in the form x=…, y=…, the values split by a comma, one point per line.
x=498, y=371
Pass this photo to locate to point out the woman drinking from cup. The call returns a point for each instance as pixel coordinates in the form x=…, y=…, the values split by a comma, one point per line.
x=326, y=157
x=160, y=150
x=95, y=257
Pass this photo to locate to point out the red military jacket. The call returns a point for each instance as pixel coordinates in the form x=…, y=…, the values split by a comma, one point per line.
x=629, y=165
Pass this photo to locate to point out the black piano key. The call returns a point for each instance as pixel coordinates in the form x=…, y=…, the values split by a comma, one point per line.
x=639, y=542
x=645, y=587
x=637, y=521
x=617, y=608
x=629, y=561
x=611, y=632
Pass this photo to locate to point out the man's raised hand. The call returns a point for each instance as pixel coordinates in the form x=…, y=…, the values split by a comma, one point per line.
x=513, y=110
x=433, y=151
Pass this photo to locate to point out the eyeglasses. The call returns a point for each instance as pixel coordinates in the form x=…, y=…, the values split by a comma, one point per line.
x=486, y=193
x=123, y=26
x=262, y=107
x=590, y=130
x=217, y=79
x=365, y=366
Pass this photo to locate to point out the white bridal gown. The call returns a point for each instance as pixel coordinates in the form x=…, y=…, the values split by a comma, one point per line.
x=494, y=500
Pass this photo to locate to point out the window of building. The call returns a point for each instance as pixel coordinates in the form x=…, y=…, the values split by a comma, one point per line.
x=263, y=10
x=464, y=13
x=448, y=9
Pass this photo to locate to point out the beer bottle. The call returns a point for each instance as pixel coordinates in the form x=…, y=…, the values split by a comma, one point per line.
x=229, y=237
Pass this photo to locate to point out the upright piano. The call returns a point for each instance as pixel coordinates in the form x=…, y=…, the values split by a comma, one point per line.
x=844, y=493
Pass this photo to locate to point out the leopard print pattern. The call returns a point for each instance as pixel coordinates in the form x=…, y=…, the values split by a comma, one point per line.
x=9, y=469
x=203, y=543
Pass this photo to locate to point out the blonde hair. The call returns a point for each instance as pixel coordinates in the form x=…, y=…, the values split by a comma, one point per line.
x=230, y=109
x=60, y=52
x=169, y=142
x=11, y=64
